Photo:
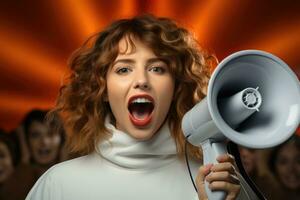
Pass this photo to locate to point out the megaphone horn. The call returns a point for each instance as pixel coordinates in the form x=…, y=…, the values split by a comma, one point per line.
x=253, y=99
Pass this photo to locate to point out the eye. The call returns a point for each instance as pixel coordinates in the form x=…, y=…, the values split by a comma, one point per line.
x=123, y=70
x=282, y=161
x=158, y=69
x=35, y=135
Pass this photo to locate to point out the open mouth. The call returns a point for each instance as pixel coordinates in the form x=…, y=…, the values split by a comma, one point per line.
x=141, y=108
x=44, y=152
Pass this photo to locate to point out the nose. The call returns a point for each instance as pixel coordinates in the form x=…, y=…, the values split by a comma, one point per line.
x=45, y=140
x=142, y=81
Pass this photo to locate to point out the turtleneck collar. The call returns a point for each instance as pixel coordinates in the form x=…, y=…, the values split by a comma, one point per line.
x=127, y=152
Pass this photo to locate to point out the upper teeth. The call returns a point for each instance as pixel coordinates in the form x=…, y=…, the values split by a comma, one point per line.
x=141, y=100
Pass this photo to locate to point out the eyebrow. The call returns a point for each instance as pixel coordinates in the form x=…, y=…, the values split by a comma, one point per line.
x=153, y=60
x=131, y=61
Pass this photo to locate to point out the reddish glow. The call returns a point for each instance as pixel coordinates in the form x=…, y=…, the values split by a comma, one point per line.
x=13, y=107
x=282, y=39
x=32, y=59
x=207, y=16
x=17, y=103
x=80, y=16
x=126, y=9
x=162, y=8
x=218, y=25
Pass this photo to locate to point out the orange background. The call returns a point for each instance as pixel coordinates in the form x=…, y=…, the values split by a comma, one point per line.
x=38, y=36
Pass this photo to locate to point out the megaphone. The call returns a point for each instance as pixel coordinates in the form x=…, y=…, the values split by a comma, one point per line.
x=253, y=99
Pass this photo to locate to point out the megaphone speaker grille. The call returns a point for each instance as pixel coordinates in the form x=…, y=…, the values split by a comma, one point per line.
x=279, y=113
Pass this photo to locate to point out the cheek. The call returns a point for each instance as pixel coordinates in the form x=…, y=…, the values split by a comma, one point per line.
x=168, y=95
x=55, y=144
x=115, y=100
x=56, y=140
x=8, y=162
x=165, y=87
x=165, y=96
x=34, y=144
x=282, y=169
x=252, y=158
x=116, y=85
x=115, y=93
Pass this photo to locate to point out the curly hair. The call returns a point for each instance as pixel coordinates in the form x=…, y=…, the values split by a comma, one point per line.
x=81, y=100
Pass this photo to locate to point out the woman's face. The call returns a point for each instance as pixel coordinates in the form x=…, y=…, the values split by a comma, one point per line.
x=287, y=166
x=6, y=163
x=140, y=89
x=44, y=146
x=249, y=159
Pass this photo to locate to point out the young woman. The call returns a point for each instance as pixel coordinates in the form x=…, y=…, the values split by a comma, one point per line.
x=8, y=157
x=8, y=161
x=254, y=164
x=43, y=143
x=285, y=164
x=44, y=147
x=129, y=87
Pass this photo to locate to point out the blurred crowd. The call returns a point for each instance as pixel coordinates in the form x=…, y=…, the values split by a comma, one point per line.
x=33, y=147
x=276, y=171
x=27, y=152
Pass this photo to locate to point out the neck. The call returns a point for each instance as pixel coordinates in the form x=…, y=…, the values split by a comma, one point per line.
x=127, y=152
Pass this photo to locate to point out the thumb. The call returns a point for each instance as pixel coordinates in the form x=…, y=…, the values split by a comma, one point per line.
x=200, y=180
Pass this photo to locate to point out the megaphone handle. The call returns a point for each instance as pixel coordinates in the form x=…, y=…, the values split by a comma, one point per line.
x=211, y=150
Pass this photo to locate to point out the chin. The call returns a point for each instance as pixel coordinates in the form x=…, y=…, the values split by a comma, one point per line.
x=46, y=161
x=141, y=135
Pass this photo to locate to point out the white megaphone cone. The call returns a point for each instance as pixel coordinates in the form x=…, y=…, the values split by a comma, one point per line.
x=253, y=99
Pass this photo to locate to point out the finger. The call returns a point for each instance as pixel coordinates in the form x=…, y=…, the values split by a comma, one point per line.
x=232, y=196
x=202, y=173
x=230, y=188
x=226, y=158
x=227, y=166
x=222, y=176
x=234, y=192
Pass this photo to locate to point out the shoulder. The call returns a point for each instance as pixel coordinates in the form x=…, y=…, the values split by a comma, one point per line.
x=74, y=164
x=76, y=167
x=51, y=184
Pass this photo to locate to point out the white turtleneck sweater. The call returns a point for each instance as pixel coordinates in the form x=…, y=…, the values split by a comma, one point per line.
x=126, y=169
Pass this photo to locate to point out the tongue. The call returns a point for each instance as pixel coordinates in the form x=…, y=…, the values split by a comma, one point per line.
x=141, y=114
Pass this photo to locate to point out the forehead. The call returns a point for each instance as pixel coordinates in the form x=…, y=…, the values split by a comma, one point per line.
x=126, y=45
x=288, y=150
x=38, y=126
x=129, y=45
